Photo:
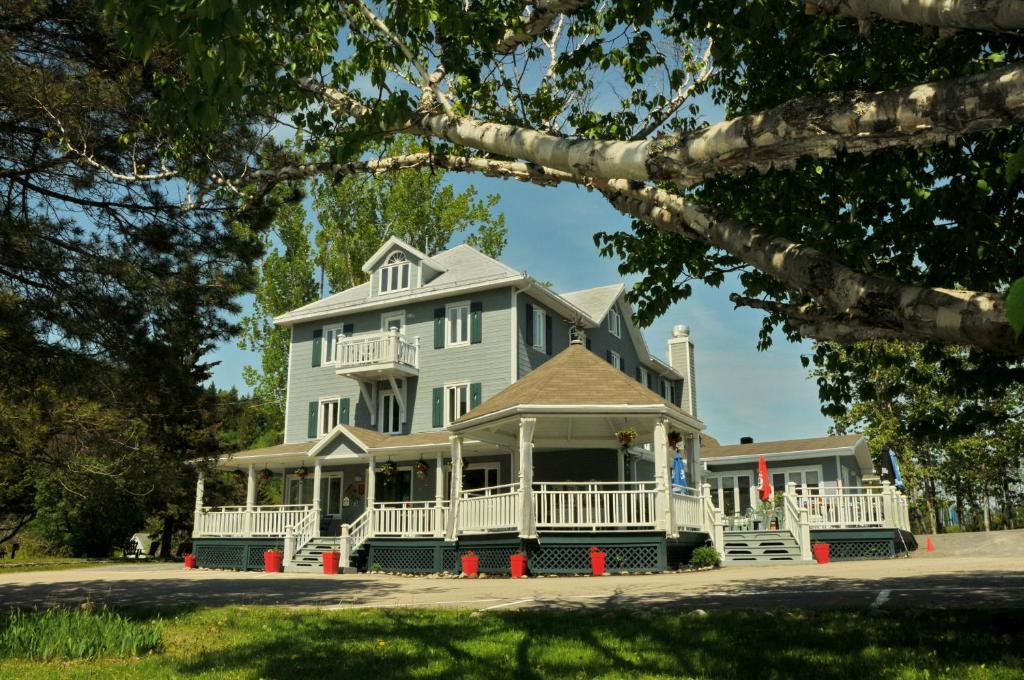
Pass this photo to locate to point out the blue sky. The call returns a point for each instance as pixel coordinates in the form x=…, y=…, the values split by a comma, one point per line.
x=740, y=391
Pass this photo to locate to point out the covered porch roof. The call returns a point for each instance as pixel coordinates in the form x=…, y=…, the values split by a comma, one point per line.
x=793, y=449
x=579, y=401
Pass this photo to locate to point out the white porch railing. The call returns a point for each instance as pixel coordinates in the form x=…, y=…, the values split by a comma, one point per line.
x=687, y=509
x=378, y=348
x=495, y=508
x=595, y=505
x=302, y=532
x=239, y=520
x=411, y=518
x=850, y=507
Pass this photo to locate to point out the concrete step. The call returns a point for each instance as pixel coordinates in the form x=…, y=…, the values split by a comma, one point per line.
x=745, y=552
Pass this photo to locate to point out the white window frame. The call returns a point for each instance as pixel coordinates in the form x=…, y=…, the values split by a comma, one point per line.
x=391, y=316
x=802, y=470
x=487, y=467
x=718, y=493
x=325, y=492
x=448, y=342
x=616, y=359
x=321, y=421
x=645, y=376
x=448, y=419
x=615, y=322
x=540, y=328
x=392, y=269
x=328, y=349
x=384, y=423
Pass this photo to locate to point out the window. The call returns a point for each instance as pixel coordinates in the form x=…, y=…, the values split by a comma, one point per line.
x=480, y=476
x=330, y=344
x=539, y=328
x=645, y=377
x=328, y=419
x=615, y=323
x=456, y=402
x=457, y=324
x=615, y=359
x=394, y=274
x=807, y=480
x=392, y=320
x=390, y=415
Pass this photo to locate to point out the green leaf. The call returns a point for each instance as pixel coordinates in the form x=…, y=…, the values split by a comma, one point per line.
x=1015, y=306
x=1014, y=165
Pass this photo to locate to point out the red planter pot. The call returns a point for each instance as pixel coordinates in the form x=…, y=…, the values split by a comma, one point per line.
x=820, y=552
x=331, y=559
x=597, y=563
x=273, y=561
x=190, y=561
x=518, y=565
x=470, y=564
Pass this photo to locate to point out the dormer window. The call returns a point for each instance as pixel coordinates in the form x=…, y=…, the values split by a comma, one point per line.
x=615, y=323
x=394, y=274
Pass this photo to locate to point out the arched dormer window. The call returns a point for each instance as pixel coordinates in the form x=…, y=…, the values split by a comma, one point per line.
x=394, y=273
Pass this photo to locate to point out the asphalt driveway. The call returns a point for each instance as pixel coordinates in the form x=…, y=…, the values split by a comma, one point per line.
x=936, y=582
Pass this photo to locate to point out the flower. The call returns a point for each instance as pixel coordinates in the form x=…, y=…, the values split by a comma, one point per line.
x=627, y=436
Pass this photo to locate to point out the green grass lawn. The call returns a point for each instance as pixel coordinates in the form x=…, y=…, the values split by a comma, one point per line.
x=264, y=642
x=9, y=566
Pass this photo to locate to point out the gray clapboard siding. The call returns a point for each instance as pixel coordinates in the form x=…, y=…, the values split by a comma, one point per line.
x=487, y=362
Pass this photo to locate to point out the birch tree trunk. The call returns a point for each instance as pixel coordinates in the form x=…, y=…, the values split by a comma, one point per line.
x=985, y=15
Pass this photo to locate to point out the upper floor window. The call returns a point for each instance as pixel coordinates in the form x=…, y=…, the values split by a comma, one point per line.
x=330, y=344
x=643, y=376
x=456, y=402
x=328, y=415
x=457, y=324
x=615, y=359
x=539, y=327
x=615, y=323
x=394, y=274
x=390, y=414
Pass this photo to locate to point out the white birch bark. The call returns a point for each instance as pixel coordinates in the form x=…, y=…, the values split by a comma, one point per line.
x=985, y=15
x=544, y=14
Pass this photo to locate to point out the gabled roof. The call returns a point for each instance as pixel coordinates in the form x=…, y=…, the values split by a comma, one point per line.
x=574, y=377
x=782, y=446
x=391, y=244
x=596, y=301
x=462, y=267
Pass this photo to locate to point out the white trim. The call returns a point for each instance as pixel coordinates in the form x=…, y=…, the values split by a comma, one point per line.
x=288, y=386
x=325, y=499
x=336, y=400
x=324, y=345
x=614, y=314
x=820, y=469
x=515, y=334
x=389, y=246
x=645, y=377
x=795, y=455
x=384, y=273
x=447, y=419
x=447, y=324
x=542, y=334
x=382, y=422
x=616, y=359
x=390, y=316
x=585, y=409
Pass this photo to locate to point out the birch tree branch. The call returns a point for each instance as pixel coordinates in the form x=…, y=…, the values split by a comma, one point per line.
x=544, y=14
x=984, y=15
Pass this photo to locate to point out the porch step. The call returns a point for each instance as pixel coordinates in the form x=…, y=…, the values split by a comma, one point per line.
x=308, y=558
x=760, y=547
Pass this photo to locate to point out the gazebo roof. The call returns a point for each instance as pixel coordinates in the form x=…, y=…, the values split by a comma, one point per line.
x=575, y=377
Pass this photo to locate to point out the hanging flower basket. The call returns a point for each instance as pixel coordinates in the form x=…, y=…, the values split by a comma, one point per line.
x=627, y=436
x=301, y=472
x=674, y=437
x=447, y=466
x=421, y=470
x=388, y=471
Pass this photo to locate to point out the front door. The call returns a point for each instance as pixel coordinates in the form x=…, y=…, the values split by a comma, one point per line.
x=732, y=493
x=331, y=486
x=397, y=489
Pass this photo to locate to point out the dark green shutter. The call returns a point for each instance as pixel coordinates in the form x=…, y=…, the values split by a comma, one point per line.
x=639, y=376
x=313, y=408
x=476, y=322
x=608, y=355
x=529, y=325
x=347, y=330
x=438, y=406
x=318, y=339
x=548, y=332
x=588, y=343
x=439, y=328
x=622, y=365
x=343, y=416
x=475, y=392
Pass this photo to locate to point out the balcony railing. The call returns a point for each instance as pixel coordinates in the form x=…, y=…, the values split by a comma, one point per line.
x=378, y=349
x=238, y=520
x=595, y=505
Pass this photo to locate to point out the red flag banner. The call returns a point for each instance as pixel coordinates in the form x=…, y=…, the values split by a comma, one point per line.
x=764, y=480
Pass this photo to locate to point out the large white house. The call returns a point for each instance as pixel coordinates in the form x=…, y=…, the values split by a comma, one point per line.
x=451, y=403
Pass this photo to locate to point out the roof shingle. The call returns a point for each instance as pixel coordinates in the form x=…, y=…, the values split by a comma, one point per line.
x=781, y=446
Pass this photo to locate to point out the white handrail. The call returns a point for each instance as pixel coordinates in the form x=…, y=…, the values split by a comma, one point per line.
x=302, y=532
x=595, y=505
x=497, y=511
x=240, y=521
x=408, y=518
x=688, y=511
x=376, y=348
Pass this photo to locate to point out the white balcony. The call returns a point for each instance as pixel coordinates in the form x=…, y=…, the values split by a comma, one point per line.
x=377, y=355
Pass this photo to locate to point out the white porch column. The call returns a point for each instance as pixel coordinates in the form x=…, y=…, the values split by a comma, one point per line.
x=888, y=506
x=316, y=484
x=662, y=478
x=526, y=521
x=695, y=468
x=250, y=500
x=451, y=531
x=200, y=490
x=371, y=493
x=439, y=525
x=620, y=460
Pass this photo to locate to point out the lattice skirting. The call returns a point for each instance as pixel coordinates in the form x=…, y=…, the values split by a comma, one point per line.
x=864, y=544
x=575, y=559
x=239, y=554
x=861, y=550
x=411, y=558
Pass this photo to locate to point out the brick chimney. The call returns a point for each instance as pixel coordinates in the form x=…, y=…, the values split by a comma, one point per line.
x=680, y=357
